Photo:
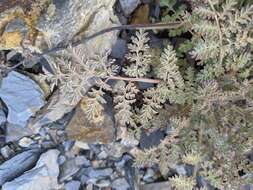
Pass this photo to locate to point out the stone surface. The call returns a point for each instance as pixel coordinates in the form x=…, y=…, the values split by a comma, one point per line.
x=2, y=117
x=152, y=139
x=128, y=6
x=25, y=142
x=119, y=49
x=73, y=185
x=42, y=177
x=6, y=152
x=22, y=96
x=16, y=132
x=120, y=184
x=82, y=129
x=160, y=186
x=68, y=169
x=98, y=173
x=17, y=165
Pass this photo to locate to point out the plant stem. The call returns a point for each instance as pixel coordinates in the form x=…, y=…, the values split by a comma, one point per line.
x=147, y=80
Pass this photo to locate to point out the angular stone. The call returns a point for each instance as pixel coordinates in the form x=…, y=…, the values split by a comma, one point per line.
x=68, y=169
x=18, y=165
x=82, y=129
x=160, y=186
x=22, y=96
x=16, y=132
x=42, y=177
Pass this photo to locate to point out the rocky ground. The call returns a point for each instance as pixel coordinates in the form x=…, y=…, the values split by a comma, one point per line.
x=47, y=145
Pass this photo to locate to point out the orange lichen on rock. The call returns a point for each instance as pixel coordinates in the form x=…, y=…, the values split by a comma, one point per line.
x=11, y=39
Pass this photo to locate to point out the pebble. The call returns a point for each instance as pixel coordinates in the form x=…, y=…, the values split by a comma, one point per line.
x=25, y=142
x=149, y=176
x=6, y=152
x=103, y=183
x=82, y=145
x=102, y=155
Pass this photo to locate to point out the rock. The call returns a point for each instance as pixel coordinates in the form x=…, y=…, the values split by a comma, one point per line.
x=73, y=185
x=119, y=49
x=115, y=150
x=153, y=139
x=42, y=177
x=61, y=159
x=103, y=183
x=16, y=132
x=180, y=169
x=126, y=138
x=26, y=142
x=6, y=152
x=160, y=186
x=82, y=145
x=125, y=158
x=149, y=176
x=120, y=184
x=82, y=161
x=98, y=173
x=128, y=6
x=68, y=169
x=17, y=165
x=22, y=96
x=102, y=155
x=89, y=131
x=2, y=117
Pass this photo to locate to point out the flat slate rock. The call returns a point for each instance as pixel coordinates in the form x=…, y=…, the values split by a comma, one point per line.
x=22, y=96
x=42, y=177
x=17, y=165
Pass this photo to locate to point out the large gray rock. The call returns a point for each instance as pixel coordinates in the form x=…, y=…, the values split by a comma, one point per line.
x=22, y=96
x=17, y=165
x=42, y=177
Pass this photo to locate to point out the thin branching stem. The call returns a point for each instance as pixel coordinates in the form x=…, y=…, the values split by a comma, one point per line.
x=147, y=80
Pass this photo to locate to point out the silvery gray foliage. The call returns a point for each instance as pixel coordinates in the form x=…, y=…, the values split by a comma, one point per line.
x=139, y=55
x=125, y=97
x=73, y=70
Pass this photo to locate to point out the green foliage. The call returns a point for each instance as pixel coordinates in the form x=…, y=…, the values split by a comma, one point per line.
x=203, y=90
